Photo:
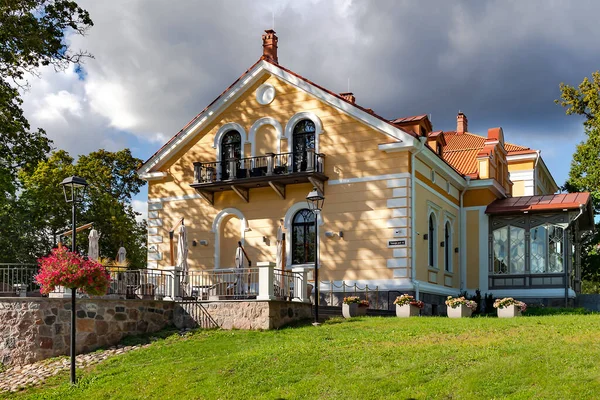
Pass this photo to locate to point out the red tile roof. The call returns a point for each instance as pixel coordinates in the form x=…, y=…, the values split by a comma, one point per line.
x=462, y=149
x=552, y=202
x=409, y=119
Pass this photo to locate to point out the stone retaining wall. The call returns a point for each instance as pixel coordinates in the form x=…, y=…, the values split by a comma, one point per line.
x=33, y=329
x=240, y=314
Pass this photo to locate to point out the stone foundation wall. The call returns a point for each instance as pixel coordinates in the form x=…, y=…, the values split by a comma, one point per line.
x=33, y=329
x=254, y=315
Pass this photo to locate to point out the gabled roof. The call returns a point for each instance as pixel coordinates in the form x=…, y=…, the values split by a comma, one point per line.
x=462, y=150
x=245, y=81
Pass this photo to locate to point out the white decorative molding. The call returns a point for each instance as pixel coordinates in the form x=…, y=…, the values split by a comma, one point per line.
x=289, y=128
x=400, y=253
x=262, y=122
x=400, y=192
x=230, y=126
x=155, y=239
x=399, y=212
x=400, y=272
x=152, y=176
x=397, y=203
x=265, y=94
x=154, y=256
x=484, y=222
x=369, y=179
x=152, y=231
x=155, y=222
x=524, y=175
x=437, y=289
x=397, y=222
x=216, y=229
x=287, y=224
x=397, y=263
x=154, y=204
x=174, y=198
x=399, y=180
x=152, y=214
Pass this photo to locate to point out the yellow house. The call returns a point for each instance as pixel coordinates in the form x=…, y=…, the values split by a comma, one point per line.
x=407, y=208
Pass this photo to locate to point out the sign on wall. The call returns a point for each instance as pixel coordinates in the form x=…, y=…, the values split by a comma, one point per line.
x=397, y=243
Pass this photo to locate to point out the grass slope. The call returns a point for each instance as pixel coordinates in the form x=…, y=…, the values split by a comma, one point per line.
x=554, y=357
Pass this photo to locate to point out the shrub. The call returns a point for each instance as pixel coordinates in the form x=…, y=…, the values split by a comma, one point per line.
x=64, y=268
x=408, y=299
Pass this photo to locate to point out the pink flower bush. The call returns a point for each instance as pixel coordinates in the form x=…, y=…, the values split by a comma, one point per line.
x=64, y=268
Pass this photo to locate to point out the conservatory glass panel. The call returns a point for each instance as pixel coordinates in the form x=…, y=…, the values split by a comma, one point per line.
x=539, y=249
x=517, y=250
x=500, y=250
x=555, y=249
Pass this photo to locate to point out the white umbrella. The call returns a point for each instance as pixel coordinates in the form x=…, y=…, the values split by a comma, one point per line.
x=94, y=250
x=182, y=253
x=240, y=258
x=280, y=258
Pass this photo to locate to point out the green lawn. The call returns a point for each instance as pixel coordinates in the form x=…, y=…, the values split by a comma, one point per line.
x=554, y=357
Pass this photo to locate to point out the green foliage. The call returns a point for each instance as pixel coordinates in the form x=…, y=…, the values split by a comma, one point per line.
x=112, y=180
x=590, y=287
x=366, y=358
x=32, y=34
x=584, y=175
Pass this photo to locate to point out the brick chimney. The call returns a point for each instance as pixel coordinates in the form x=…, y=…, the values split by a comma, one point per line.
x=270, y=46
x=461, y=123
x=349, y=96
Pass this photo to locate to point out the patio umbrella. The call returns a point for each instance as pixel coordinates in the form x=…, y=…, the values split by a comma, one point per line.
x=280, y=259
x=93, y=249
x=240, y=259
x=182, y=253
x=121, y=255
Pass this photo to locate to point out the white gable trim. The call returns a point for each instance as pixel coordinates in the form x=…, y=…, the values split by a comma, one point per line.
x=242, y=85
x=256, y=125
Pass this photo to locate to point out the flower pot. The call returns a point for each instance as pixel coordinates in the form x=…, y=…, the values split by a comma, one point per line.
x=509, y=312
x=353, y=310
x=461, y=311
x=407, y=310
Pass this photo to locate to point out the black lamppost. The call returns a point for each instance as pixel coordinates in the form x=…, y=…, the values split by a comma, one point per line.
x=315, y=202
x=74, y=189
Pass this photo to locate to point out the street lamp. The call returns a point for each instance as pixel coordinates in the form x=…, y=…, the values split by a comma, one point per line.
x=74, y=190
x=315, y=202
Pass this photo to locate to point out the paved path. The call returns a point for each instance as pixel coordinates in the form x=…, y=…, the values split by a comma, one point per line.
x=16, y=378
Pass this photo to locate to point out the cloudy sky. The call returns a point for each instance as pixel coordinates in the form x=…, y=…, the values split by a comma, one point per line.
x=158, y=63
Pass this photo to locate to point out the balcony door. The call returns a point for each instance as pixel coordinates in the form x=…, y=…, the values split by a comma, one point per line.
x=304, y=141
x=231, y=152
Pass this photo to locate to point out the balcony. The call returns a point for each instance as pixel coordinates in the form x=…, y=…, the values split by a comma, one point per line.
x=271, y=170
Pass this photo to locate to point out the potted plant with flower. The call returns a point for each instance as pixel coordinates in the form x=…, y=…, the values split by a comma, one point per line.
x=353, y=306
x=459, y=307
x=72, y=271
x=509, y=307
x=407, y=306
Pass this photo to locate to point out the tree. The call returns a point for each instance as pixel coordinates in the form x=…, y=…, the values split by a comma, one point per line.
x=584, y=175
x=32, y=34
x=112, y=180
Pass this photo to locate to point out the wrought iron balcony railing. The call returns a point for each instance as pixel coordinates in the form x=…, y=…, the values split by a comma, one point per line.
x=269, y=165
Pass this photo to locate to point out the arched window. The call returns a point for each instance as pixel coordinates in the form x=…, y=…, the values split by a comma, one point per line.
x=231, y=152
x=303, y=141
x=303, y=237
x=448, y=247
x=432, y=239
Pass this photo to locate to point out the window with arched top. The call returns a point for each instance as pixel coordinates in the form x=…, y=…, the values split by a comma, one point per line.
x=231, y=153
x=432, y=239
x=303, y=237
x=303, y=142
x=448, y=247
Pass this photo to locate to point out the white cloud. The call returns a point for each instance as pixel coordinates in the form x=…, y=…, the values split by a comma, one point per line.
x=140, y=207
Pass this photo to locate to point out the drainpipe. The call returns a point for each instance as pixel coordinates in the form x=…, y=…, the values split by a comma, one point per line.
x=537, y=159
x=422, y=140
x=581, y=208
x=463, y=238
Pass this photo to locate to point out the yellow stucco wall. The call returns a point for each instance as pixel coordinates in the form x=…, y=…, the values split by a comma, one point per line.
x=427, y=201
x=361, y=210
x=472, y=223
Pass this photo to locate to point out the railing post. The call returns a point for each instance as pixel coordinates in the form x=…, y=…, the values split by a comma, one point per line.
x=301, y=285
x=266, y=280
x=310, y=160
x=172, y=283
x=270, y=163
